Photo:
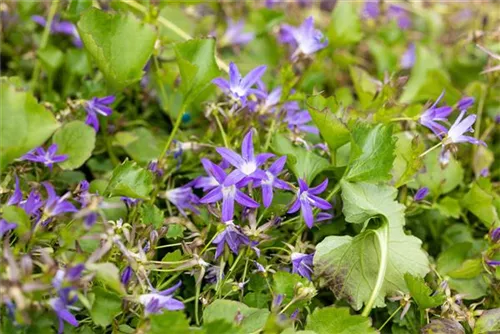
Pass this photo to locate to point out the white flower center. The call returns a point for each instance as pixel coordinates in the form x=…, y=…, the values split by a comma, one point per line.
x=270, y=178
x=229, y=192
x=248, y=167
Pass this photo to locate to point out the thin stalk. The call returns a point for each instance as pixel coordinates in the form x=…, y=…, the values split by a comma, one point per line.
x=177, y=124
x=196, y=304
x=43, y=43
x=221, y=129
x=269, y=134
x=430, y=150
x=390, y=317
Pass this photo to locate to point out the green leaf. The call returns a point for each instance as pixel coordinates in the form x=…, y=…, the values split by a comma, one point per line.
x=219, y=327
x=443, y=326
x=17, y=215
x=407, y=162
x=77, y=140
x=119, y=44
x=108, y=274
x=287, y=284
x=130, y=180
x=421, y=293
x=470, y=268
x=370, y=266
x=372, y=153
x=338, y=320
x=175, y=231
x=333, y=131
x=24, y=124
x=449, y=207
x=480, y=203
x=197, y=65
x=140, y=144
x=489, y=322
x=365, y=86
x=345, y=28
x=256, y=299
x=253, y=319
x=440, y=180
x=51, y=58
x=151, y=215
x=105, y=308
x=304, y=164
x=175, y=322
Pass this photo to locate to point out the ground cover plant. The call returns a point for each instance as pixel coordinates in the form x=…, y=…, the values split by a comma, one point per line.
x=249, y=167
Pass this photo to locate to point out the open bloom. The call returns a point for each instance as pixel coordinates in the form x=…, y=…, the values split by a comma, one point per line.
x=461, y=126
x=228, y=194
x=247, y=164
x=302, y=264
x=231, y=236
x=298, y=120
x=56, y=205
x=306, y=39
x=48, y=158
x=5, y=227
x=62, y=306
x=433, y=115
x=157, y=301
x=214, y=174
x=271, y=181
x=183, y=198
x=98, y=105
x=60, y=27
x=234, y=34
x=239, y=87
x=307, y=199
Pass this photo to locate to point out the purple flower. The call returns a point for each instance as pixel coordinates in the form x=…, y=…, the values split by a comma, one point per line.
x=228, y=194
x=493, y=263
x=247, y=164
x=277, y=301
x=305, y=38
x=155, y=302
x=408, y=58
x=17, y=196
x=61, y=305
x=461, y=126
x=70, y=275
x=32, y=204
x=421, y=194
x=302, y=264
x=271, y=181
x=231, y=236
x=238, y=87
x=48, y=158
x=126, y=275
x=307, y=199
x=5, y=227
x=495, y=235
x=485, y=172
x=297, y=119
x=60, y=27
x=433, y=115
x=371, y=10
x=401, y=16
x=183, y=198
x=98, y=105
x=209, y=182
x=465, y=103
x=234, y=34
x=129, y=201
x=153, y=166
x=55, y=205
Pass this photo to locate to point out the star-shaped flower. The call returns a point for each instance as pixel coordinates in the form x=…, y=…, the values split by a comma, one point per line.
x=307, y=199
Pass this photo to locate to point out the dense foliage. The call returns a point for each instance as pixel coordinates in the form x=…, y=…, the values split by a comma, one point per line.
x=249, y=167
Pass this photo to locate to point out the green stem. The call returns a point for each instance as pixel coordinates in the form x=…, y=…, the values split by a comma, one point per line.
x=221, y=129
x=269, y=134
x=390, y=317
x=382, y=238
x=43, y=43
x=196, y=304
x=177, y=124
x=430, y=150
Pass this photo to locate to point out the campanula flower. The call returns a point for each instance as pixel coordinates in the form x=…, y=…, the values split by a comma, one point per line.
x=32, y=204
x=493, y=263
x=461, y=126
x=408, y=58
x=371, y=10
x=228, y=194
x=129, y=201
x=5, y=227
x=234, y=34
x=48, y=158
x=495, y=235
x=302, y=264
x=271, y=181
x=214, y=172
x=55, y=205
x=62, y=306
x=98, y=105
x=305, y=38
x=433, y=115
x=183, y=198
x=465, y=103
x=70, y=274
x=17, y=196
x=247, y=164
x=157, y=301
x=307, y=199
x=213, y=274
x=238, y=87
x=60, y=27
x=231, y=236
x=400, y=15
x=421, y=194
x=297, y=119
x=126, y=275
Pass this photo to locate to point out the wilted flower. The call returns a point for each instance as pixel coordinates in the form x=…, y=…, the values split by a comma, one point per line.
x=62, y=305
x=247, y=164
x=421, y=194
x=183, y=198
x=302, y=264
x=60, y=27
x=155, y=302
x=48, y=158
x=213, y=274
x=271, y=181
x=238, y=87
x=433, y=115
x=5, y=227
x=234, y=34
x=98, y=105
x=307, y=199
x=305, y=38
x=231, y=236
